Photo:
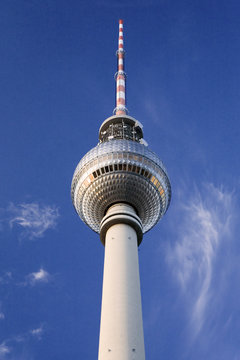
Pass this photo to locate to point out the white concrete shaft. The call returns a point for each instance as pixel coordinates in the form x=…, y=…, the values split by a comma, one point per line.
x=121, y=330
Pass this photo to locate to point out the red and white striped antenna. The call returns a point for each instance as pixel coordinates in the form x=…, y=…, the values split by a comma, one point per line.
x=120, y=76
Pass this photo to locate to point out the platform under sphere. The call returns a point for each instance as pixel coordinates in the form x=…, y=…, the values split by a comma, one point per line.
x=120, y=171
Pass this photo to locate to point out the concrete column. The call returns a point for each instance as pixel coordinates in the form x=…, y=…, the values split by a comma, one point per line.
x=121, y=330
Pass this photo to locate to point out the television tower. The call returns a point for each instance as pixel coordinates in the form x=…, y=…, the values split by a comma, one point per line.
x=120, y=189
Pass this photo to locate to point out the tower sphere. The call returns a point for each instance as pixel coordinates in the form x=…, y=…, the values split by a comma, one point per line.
x=120, y=169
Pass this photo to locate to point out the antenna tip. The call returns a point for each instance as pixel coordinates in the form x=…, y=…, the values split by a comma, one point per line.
x=120, y=21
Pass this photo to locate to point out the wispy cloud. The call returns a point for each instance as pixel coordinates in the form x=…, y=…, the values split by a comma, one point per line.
x=41, y=276
x=4, y=349
x=156, y=111
x=38, y=332
x=10, y=346
x=2, y=315
x=33, y=218
x=34, y=278
x=204, y=222
x=6, y=277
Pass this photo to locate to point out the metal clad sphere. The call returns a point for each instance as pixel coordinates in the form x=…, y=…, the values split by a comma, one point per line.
x=120, y=171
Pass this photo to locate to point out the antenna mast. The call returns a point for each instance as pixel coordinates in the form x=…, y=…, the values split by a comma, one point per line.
x=120, y=77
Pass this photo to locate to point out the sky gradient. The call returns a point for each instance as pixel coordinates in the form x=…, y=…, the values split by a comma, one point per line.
x=57, y=62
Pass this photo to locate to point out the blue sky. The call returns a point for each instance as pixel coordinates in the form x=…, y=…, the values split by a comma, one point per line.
x=57, y=64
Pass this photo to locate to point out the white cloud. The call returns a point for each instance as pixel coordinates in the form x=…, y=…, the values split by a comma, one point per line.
x=41, y=276
x=2, y=315
x=4, y=349
x=158, y=109
x=37, y=332
x=204, y=222
x=33, y=218
x=6, y=277
x=10, y=346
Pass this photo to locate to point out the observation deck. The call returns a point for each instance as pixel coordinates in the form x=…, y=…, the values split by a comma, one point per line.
x=121, y=127
x=121, y=168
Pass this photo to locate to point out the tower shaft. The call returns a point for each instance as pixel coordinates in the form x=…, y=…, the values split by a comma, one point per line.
x=121, y=330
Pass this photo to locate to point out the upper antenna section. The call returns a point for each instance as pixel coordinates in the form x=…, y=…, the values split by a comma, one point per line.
x=120, y=77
